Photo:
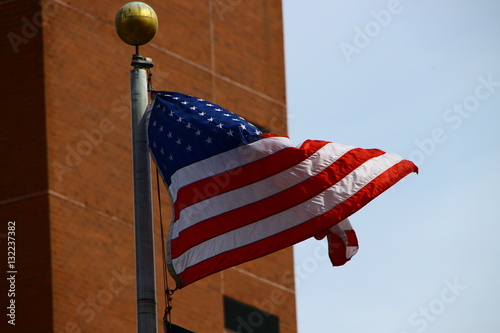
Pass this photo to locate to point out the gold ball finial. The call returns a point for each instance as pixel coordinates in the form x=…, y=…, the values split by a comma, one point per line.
x=136, y=23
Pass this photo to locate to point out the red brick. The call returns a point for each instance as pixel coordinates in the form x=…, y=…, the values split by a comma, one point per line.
x=66, y=167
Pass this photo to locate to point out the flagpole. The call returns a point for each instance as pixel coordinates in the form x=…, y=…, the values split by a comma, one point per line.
x=136, y=24
x=143, y=217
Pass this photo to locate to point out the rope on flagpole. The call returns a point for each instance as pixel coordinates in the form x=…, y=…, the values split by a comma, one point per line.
x=167, y=316
x=168, y=292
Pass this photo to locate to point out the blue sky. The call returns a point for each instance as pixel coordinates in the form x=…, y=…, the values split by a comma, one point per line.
x=419, y=78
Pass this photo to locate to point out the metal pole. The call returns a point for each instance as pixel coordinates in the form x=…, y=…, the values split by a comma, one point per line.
x=143, y=216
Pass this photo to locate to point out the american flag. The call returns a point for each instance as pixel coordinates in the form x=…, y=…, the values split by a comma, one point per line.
x=238, y=194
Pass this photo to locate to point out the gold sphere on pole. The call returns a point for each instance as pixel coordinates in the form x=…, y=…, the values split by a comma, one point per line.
x=136, y=23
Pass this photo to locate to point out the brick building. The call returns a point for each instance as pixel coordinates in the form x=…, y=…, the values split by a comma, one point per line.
x=66, y=167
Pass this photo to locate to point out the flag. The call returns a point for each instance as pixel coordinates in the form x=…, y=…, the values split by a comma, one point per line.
x=238, y=194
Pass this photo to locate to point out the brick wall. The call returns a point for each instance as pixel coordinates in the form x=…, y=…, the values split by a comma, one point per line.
x=67, y=145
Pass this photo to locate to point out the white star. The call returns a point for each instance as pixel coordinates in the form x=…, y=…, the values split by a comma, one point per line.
x=230, y=133
x=227, y=115
x=235, y=119
x=208, y=104
x=209, y=140
x=170, y=157
x=188, y=148
x=198, y=132
x=171, y=114
x=201, y=113
x=163, y=109
x=243, y=127
x=161, y=129
x=258, y=132
x=154, y=123
x=210, y=119
x=162, y=151
x=188, y=125
x=200, y=99
x=220, y=126
x=218, y=109
x=169, y=134
x=176, y=98
x=154, y=144
x=184, y=102
x=178, y=141
x=193, y=108
x=179, y=119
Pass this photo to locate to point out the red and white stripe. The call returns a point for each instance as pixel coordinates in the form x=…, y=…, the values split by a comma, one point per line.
x=342, y=242
x=267, y=195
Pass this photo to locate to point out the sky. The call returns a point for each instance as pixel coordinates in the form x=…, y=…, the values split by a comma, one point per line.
x=420, y=78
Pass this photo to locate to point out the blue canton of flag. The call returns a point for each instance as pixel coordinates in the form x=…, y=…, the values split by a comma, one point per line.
x=195, y=129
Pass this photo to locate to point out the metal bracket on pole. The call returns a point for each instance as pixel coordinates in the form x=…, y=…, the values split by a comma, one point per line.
x=138, y=61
